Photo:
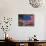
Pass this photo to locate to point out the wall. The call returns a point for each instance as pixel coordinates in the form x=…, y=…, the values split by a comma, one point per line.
x=11, y=8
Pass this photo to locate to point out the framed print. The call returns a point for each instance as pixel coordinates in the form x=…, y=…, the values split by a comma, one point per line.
x=25, y=20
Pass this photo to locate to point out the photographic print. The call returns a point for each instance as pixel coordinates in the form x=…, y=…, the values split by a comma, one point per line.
x=26, y=20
